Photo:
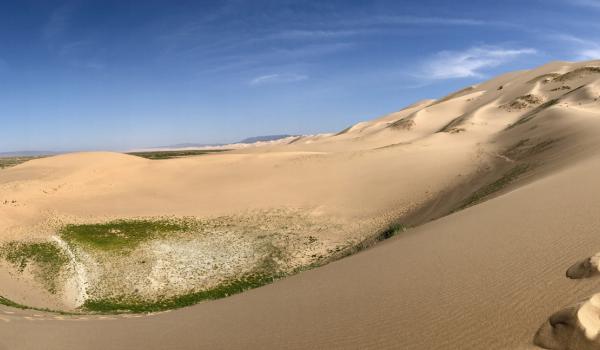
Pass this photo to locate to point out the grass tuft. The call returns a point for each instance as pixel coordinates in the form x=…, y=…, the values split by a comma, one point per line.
x=122, y=234
x=7, y=302
x=48, y=258
x=10, y=303
x=7, y=162
x=131, y=305
x=265, y=273
x=390, y=231
x=125, y=235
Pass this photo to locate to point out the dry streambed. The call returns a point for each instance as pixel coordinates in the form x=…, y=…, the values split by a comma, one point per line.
x=153, y=264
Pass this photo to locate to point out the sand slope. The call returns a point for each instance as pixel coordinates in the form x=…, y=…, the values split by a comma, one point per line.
x=486, y=277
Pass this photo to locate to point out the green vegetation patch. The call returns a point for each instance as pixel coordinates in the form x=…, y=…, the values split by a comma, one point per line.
x=118, y=242
x=7, y=302
x=14, y=161
x=122, y=235
x=387, y=232
x=392, y=230
x=175, y=154
x=130, y=304
x=508, y=177
x=266, y=272
x=47, y=257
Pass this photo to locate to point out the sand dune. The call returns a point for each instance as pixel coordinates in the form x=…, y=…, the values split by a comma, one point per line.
x=507, y=170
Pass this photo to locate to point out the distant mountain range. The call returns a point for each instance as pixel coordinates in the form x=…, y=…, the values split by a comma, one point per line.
x=26, y=154
x=254, y=139
x=192, y=145
x=264, y=138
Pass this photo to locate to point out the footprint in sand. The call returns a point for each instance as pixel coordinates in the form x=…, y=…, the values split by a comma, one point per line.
x=576, y=327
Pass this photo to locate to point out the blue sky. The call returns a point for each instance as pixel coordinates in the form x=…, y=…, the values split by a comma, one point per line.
x=116, y=75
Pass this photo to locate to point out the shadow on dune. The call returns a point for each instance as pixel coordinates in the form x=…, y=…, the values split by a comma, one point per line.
x=564, y=329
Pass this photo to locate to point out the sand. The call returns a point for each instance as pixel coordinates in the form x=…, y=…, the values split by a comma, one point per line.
x=486, y=273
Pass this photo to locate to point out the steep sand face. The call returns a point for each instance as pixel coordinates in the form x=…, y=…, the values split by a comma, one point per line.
x=486, y=276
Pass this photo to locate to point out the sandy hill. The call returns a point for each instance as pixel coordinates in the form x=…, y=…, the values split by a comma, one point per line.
x=497, y=181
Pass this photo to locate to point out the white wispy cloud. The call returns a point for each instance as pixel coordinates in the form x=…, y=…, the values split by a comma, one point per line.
x=315, y=34
x=274, y=57
x=310, y=50
x=471, y=62
x=588, y=3
x=277, y=79
x=418, y=20
x=372, y=24
x=57, y=24
x=584, y=49
x=189, y=38
x=411, y=20
x=58, y=36
x=590, y=54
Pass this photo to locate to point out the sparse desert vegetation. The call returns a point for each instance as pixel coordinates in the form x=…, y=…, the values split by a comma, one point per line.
x=7, y=162
x=47, y=261
x=507, y=178
x=582, y=72
x=122, y=235
x=177, y=262
x=533, y=113
x=523, y=102
x=157, y=155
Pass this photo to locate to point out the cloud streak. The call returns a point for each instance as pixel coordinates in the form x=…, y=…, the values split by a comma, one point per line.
x=275, y=57
x=190, y=39
x=471, y=62
x=590, y=54
x=366, y=26
x=58, y=36
x=57, y=24
x=277, y=79
x=315, y=34
x=585, y=49
x=587, y=3
x=418, y=20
